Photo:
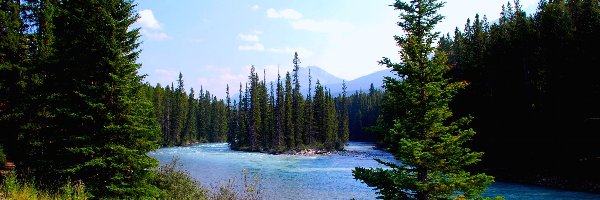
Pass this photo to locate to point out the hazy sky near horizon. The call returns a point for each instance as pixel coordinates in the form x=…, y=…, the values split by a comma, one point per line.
x=214, y=42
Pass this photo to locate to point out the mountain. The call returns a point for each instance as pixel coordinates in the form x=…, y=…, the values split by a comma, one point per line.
x=362, y=83
x=324, y=77
x=334, y=83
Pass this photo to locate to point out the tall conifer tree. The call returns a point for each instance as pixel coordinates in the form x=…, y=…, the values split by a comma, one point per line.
x=96, y=126
x=426, y=141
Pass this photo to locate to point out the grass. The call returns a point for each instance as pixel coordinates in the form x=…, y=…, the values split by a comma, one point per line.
x=12, y=188
x=172, y=182
x=178, y=184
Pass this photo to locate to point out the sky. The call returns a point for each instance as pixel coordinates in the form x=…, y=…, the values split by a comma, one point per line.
x=214, y=42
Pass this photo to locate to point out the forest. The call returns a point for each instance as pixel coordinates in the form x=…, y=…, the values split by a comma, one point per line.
x=262, y=118
x=73, y=106
x=533, y=91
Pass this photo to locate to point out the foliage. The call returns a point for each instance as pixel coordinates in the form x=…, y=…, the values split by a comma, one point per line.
x=284, y=120
x=78, y=109
x=2, y=156
x=522, y=72
x=428, y=142
x=185, y=119
x=176, y=184
x=232, y=190
x=11, y=188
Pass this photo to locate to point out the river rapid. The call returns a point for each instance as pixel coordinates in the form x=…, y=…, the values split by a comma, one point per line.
x=312, y=177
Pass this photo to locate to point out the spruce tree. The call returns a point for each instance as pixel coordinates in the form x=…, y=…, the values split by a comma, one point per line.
x=279, y=116
x=427, y=142
x=96, y=127
x=288, y=119
x=297, y=103
x=12, y=71
x=189, y=133
x=344, y=118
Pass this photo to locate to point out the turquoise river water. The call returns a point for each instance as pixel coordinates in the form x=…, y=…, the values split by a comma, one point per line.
x=312, y=177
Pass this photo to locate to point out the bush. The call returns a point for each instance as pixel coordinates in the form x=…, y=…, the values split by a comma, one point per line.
x=233, y=191
x=2, y=156
x=175, y=184
x=11, y=188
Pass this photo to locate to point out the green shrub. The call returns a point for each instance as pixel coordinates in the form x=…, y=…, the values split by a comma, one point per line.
x=176, y=184
x=12, y=188
x=2, y=156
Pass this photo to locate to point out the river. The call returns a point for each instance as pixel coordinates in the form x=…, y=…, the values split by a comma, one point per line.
x=313, y=177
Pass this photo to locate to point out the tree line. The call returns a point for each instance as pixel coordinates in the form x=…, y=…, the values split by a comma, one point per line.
x=185, y=119
x=532, y=92
x=278, y=117
x=265, y=117
x=533, y=89
x=364, y=109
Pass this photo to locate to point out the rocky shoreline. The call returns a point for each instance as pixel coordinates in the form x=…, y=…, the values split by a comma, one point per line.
x=302, y=152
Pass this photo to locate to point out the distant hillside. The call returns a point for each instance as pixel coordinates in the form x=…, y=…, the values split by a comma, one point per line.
x=324, y=77
x=362, y=83
x=334, y=83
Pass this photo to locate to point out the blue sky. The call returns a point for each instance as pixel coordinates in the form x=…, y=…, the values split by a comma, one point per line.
x=214, y=42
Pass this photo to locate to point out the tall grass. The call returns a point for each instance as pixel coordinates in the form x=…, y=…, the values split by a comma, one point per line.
x=172, y=182
x=178, y=184
x=12, y=188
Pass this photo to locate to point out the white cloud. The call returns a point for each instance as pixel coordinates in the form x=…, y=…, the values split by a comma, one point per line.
x=154, y=35
x=353, y=54
x=322, y=26
x=255, y=47
x=150, y=27
x=147, y=20
x=272, y=70
x=248, y=37
x=217, y=84
x=255, y=7
x=285, y=14
x=166, y=75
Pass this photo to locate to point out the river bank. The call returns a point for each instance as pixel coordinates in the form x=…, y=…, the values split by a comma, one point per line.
x=287, y=176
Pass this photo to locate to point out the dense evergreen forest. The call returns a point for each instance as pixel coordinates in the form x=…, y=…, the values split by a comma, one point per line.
x=185, y=119
x=274, y=117
x=280, y=118
x=70, y=105
x=533, y=91
x=73, y=106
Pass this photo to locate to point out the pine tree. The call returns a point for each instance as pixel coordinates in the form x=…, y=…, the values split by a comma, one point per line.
x=330, y=121
x=297, y=103
x=189, y=133
x=344, y=118
x=309, y=118
x=12, y=71
x=279, y=115
x=288, y=120
x=230, y=118
x=255, y=120
x=98, y=126
x=270, y=121
x=319, y=114
x=429, y=145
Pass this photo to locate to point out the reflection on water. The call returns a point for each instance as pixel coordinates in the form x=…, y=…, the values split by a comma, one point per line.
x=313, y=177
